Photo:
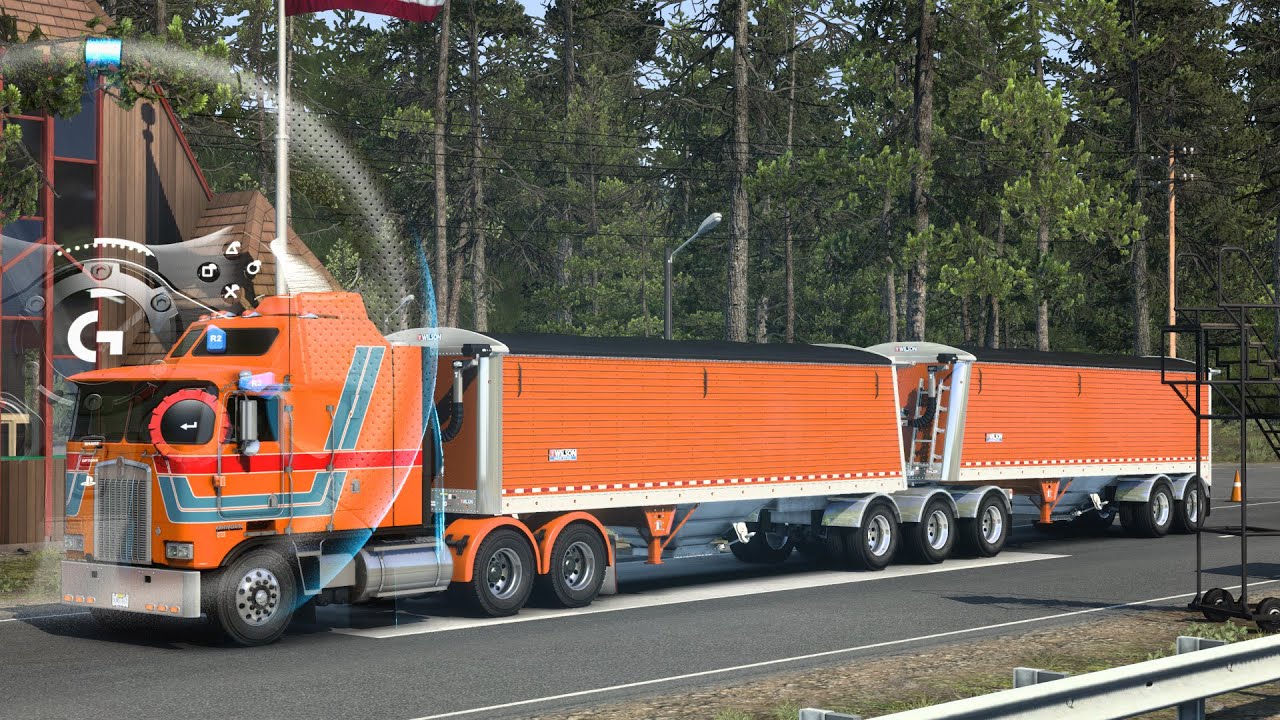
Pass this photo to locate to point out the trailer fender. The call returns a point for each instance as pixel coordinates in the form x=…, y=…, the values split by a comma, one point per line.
x=848, y=512
x=463, y=537
x=547, y=534
x=912, y=501
x=1138, y=489
x=967, y=499
x=1182, y=482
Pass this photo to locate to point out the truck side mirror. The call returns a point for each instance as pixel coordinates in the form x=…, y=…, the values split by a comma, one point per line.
x=247, y=425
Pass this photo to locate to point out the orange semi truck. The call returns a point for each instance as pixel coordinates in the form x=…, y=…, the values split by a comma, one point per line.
x=279, y=457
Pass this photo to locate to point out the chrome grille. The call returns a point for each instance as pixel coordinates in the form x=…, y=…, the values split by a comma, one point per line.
x=122, y=512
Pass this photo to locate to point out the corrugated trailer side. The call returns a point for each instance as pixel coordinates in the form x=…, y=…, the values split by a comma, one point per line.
x=1035, y=419
x=592, y=424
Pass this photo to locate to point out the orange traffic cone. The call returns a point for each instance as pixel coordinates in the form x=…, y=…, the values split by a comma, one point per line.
x=1235, y=489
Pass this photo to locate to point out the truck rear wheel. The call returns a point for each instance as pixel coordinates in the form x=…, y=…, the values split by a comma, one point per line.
x=1189, y=512
x=501, y=576
x=872, y=545
x=931, y=539
x=985, y=534
x=252, y=600
x=578, y=561
x=1152, y=518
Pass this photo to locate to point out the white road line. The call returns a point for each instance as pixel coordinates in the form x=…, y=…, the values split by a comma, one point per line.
x=42, y=617
x=1229, y=504
x=418, y=625
x=811, y=656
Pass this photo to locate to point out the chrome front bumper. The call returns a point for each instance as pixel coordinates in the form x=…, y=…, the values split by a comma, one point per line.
x=153, y=591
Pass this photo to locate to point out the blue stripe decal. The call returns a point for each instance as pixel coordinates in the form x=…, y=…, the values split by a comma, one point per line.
x=182, y=505
x=75, y=491
x=364, y=392
x=342, y=414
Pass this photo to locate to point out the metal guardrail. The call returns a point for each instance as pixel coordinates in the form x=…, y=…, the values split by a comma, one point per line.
x=1182, y=681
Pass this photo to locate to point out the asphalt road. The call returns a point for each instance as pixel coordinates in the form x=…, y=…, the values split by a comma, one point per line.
x=690, y=623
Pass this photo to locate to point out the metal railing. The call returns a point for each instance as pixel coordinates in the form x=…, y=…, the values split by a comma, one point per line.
x=1200, y=670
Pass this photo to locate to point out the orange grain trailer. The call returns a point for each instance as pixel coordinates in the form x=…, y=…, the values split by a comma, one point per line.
x=278, y=457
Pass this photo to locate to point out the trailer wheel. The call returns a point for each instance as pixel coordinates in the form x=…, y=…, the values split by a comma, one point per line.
x=502, y=576
x=1094, y=520
x=871, y=546
x=763, y=549
x=1216, y=598
x=578, y=560
x=813, y=549
x=252, y=600
x=1154, y=517
x=1189, y=512
x=1268, y=615
x=932, y=539
x=985, y=534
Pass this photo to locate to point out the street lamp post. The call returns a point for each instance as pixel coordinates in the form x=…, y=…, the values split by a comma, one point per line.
x=707, y=226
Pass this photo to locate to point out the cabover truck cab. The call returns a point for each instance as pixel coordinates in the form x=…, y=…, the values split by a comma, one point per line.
x=293, y=455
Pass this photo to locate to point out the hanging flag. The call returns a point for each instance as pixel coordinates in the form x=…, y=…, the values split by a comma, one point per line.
x=411, y=10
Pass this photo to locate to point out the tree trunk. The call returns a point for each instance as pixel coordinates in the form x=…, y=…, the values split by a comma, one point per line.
x=162, y=16
x=993, y=302
x=966, y=320
x=1042, y=231
x=922, y=134
x=1141, y=300
x=566, y=53
x=891, y=303
x=762, y=320
x=789, y=334
x=479, y=265
x=736, y=309
x=455, y=282
x=443, y=277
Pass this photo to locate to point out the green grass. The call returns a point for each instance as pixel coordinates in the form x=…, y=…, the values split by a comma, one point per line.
x=31, y=575
x=1226, y=444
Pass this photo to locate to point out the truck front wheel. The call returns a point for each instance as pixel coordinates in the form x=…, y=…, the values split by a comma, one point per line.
x=501, y=577
x=252, y=600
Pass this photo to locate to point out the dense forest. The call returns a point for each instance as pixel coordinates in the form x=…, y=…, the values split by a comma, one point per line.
x=996, y=173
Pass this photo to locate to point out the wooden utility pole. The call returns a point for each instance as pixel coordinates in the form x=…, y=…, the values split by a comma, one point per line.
x=1173, y=207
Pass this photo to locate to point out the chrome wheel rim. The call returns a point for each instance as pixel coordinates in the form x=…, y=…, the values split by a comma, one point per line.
x=879, y=534
x=257, y=597
x=992, y=524
x=579, y=566
x=504, y=573
x=938, y=529
x=1160, y=510
x=1192, y=503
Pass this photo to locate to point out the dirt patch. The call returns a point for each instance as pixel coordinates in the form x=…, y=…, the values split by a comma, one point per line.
x=941, y=673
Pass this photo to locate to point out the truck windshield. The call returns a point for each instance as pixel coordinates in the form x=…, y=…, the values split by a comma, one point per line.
x=119, y=411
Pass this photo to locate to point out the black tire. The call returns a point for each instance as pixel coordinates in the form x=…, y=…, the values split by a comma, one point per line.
x=1094, y=521
x=578, y=561
x=762, y=549
x=1153, y=518
x=813, y=549
x=252, y=600
x=985, y=534
x=872, y=545
x=501, y=576
x=1189, y=512
x=1216, y=598
x=932, y=539
x=1268, y=615
x=835, y=547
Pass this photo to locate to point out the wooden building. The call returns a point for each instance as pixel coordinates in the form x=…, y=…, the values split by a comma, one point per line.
x=120, y=173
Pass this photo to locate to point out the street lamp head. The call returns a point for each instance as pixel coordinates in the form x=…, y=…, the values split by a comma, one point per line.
x=712, y=221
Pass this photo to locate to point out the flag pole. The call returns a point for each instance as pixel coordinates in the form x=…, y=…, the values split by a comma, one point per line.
x=282, y=142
